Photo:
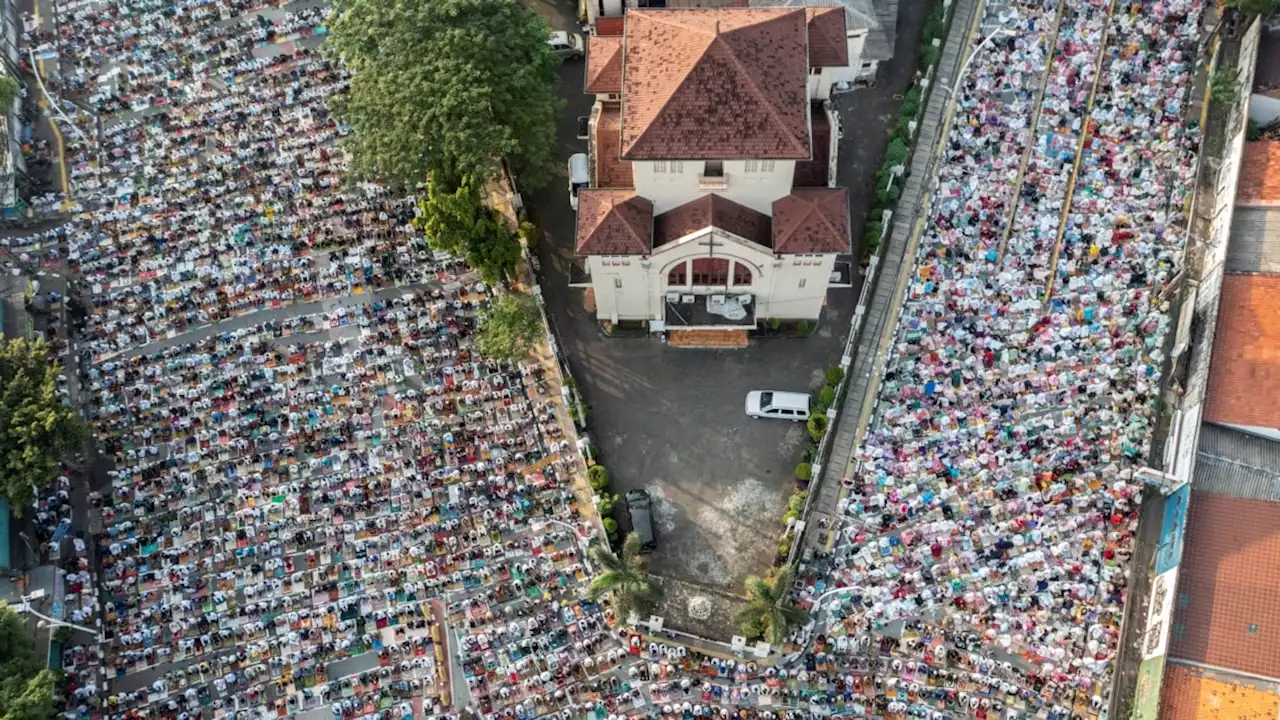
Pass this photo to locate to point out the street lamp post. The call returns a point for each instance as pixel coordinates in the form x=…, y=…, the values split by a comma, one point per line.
x=1002, y=31
x=50, y=622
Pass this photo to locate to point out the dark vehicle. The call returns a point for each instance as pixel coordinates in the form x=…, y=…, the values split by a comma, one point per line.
x=638, y=507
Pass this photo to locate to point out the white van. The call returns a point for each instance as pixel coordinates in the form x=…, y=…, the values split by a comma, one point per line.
x=579, y=177
x=791, y=406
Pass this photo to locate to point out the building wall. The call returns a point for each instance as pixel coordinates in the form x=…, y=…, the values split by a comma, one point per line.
x=821, y=83
x=790, y=287
x=621, y=287
x=672, y=183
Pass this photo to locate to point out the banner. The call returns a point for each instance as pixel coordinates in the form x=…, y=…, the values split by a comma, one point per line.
x=1155, y=638
x=1146, y=700
x=1172, y=529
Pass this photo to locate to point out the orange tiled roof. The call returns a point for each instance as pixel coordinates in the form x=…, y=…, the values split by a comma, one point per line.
x=611, y=170
x=1227, y=611
x=1259, y=173
x=711, y=211
x=828, y=42
x=1244, y=375
x=613, y=222
x=812, y=220
x=715, y=84
x=1188, y=693
x=610, y=25
x=604, y=65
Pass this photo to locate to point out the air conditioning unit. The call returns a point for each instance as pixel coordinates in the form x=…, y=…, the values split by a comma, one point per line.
x=687, y=299
x=717, y=299
x=673, y=297
x=744, y=300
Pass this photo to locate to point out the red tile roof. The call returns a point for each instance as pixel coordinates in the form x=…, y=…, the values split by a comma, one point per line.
x=613, y=222
x=610, y=25
x=812, y=220
x=1190, y=693
x=715, y=84
x=1244, y=374
x=1259, y=173
x=604, y=65
x=1227, y=610
x=611, y=170
x=813, y=173
x=828, y=42
x=711, y=211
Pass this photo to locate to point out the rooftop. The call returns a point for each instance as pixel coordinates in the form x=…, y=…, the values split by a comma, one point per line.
x=1235, y=463
x=1255, y=240
x=1244, y=376
x=828, y=43
x=613, y=222
x=1227, y=612
x=812, y=220
x=1259, y=174
x=1190, y=693
x=711, y=211
x=611, y=170
x=858, y=15
x=723, y=83
x=604, y=64
x=813, y=172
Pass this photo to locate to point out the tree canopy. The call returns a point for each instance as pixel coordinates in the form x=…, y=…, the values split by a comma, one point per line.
x=1254, y=7
x=511, y=327
x=36, y=429
x=768, y=614
x=630, y=587
x=446, y=84
x=454, y=221
x=26, y=685
x=9, y=91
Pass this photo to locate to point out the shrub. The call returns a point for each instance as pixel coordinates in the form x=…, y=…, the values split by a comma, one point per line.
x=803, y=471
x=929, y=56
x=599, y=477
x=529, y=233
x=910, y=103
x=579, y=418
x=835, y=373
x=895, y=154
x=795, y=506
x=774, y=323
x=902, y=129
x=611, y=528
x=934, y=25
x=1224, y=85
x=607, y=502
x=804, y=327
x=827, y=396
x=818, y=426
x=889, y=197
x=784, y=547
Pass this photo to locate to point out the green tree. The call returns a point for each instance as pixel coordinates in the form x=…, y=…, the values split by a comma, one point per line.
x=454, y=220
x=768, y=614
x=26, y=685
x=446, y=83
x=9, y=91
x=1254, y=7
x=624, y=578
x=511, y=327
x=1224, y=85
x=36, y=429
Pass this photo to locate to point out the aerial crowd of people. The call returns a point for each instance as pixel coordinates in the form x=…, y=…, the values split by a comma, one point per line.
x=343, y=505
x=995, y=493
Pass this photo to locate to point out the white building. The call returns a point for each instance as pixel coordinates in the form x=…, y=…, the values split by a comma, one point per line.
x=712, y=202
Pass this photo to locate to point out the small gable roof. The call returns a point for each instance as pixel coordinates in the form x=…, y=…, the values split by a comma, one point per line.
x=613, y=222
x=812, y=220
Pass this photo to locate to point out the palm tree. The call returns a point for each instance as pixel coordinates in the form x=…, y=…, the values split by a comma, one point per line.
x=624, y=578
x=768, y=614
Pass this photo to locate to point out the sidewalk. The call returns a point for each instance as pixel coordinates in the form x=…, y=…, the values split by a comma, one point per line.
x=885, y=297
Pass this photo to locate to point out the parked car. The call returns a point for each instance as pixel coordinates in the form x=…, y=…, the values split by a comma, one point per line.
x=567, y=45
x=638, y=507
x=778, y=404
x=579, y=177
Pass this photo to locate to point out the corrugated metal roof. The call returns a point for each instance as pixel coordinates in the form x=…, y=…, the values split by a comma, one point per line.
x=1237, y=464
x=1255, y=241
